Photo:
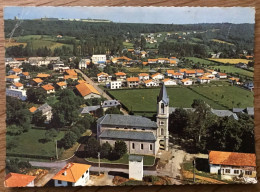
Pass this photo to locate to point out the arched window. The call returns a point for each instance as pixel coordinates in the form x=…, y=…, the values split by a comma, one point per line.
x=162, y=131
x=162, y=108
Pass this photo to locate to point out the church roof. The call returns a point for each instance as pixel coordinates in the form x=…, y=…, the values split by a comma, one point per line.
x=126, y=121
x=128, y=135
x=163, y=95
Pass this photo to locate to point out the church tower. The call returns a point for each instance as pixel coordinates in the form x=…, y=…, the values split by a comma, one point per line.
x=163, y=118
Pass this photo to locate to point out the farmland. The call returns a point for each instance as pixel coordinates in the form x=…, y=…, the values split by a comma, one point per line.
x=231, y=61
x=143, y=100
x=234, y=70
x=201, y=61
x=220, y=41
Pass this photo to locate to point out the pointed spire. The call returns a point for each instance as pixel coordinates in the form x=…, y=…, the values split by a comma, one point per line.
x=163, y=95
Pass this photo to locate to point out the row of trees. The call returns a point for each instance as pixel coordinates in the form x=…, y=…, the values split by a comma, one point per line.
x=205, y=131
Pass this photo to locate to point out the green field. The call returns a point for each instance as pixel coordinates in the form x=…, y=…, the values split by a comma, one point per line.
x=201, y=61
x=29, y=143
x=144, y=100
x=233, y=69
x=128, y=45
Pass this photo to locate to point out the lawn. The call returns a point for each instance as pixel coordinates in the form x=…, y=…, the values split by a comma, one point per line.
x=227, y=94
x=139, y=100
x=232, y=69
x=201, y=61
x=28, y=143
x=128, y=45
x=230, y=61
x=148, y=160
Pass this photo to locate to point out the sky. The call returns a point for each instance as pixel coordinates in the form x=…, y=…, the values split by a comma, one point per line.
x=163, y=15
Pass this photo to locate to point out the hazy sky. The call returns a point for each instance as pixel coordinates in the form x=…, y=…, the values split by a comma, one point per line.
x=165, y=15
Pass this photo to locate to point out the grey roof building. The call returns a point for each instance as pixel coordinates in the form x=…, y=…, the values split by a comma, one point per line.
x=44, y=108
x=110, y=103
x=126, y=121
x=88, y=109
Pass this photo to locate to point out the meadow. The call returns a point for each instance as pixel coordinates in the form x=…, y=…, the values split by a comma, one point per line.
x=201, y=61
x=230, y=61
x=234, y=70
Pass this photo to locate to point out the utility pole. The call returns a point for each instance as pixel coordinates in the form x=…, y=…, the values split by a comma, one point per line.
x=98, y=163
x=194, y=165
x=56, y=149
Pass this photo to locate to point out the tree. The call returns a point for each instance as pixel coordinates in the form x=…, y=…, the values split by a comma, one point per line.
x=178, y=121
x=92, y=147
x=68, y=140
x=120, y=148
x=105, y=150
x=36, y=95
x=38, y=119
x=50, y=134
x=113, y=110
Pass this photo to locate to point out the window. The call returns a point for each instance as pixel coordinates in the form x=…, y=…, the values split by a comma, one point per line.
x=125, y=128
x=117, y=127
x=87, y=172
x=162, y=131
x=227, y=170
x=161, y=123
x=151, y=147
x=162, y=108
x=143, y=129
x=134, y=128
x=133, y=145
x=82, y=176
x=59, y=182
x=236, y=171
x=142, y=146
x=248, y=172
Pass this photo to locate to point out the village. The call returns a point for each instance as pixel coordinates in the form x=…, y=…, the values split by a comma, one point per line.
x=94, y=102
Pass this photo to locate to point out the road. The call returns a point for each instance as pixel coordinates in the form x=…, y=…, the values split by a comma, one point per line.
x=103, y=93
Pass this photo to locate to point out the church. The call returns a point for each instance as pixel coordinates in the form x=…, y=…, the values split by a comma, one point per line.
x=141, y=135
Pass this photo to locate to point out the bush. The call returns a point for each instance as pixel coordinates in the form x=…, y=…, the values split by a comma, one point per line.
x=68, y=140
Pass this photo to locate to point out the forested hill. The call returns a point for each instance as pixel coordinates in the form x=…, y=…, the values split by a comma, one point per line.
x=84, y=29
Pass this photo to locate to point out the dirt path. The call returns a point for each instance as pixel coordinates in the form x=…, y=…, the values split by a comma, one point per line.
x=189, y=175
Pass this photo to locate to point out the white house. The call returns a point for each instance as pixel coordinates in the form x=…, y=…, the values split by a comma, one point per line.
x=186, y=82
x=157, y=76
x=19, y=180
x=83, y=64
x=136, y=167
x=232, y=164
x=221, y=75
x=169, y=82
x=177, y=75
x=73, y=174
x=98, y=59
x=20, y=94
x=199, y=72
x=87, y=91
x=132, y=82
x=143, y=76
x=17, y=85
x=249, y=85
x=103, y=77
x=151, y=83
x=203, y=79
x=115, y=84
x=209, y=75
x=169, y=73
x=12, y=78
x=46, y=111
x=48, y=88
x=120, y=76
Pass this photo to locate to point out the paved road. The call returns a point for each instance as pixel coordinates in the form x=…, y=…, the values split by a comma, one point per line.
x=88, y=80
x=56, y=164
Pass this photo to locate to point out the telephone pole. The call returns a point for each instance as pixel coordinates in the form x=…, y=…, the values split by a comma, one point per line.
x=194, y=165
x=56, y=149
x=98, y=163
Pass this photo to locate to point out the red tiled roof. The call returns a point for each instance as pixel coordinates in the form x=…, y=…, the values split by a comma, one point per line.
x=120, y=74
x=148, y=81
x=48, y=87
x=18, y=84
x=131, y=79
x=37, y=80
x=43, y=75
x=16, y=70
x=32, y=109
x=232, y=158
x=170, y=71
x=61, y=83
x=12, y=77
x=143, y=74
x=18, y=180
x=85, y=89
x=154, y=75
x=102, y=73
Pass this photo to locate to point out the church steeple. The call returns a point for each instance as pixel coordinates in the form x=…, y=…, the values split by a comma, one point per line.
x=163, y=96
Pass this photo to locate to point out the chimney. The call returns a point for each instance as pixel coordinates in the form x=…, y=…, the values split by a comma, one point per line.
x=64, y=173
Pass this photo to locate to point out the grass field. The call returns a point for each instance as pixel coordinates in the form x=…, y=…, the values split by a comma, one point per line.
x=128, y=45
x=148, y=160
x=233, y=69
x=201, y=61
x=220, y=41
x=227, y=94
x=230, y=61
x=28, y=143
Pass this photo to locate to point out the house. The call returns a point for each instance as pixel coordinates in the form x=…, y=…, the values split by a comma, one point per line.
x=110, y=103
x=190, y=73
x=132, y=82
x=157, y=76
x=199, y=72
x=152, y=61
x=20, y=94
x=177, y=75
x=143, y=54
x=232, y=164
x=234, y=80
x=73, y=174
x=143, y=76
x=83, y=64
x=169, y=82
x=141, y=134
x=163, y=60
x=103, y=77
x=32, y=109
x=212, y=72
x=123, y=59
x=89, y=109
x=46, y=111
x=87, y=91
x=71, y=73
x=12, y=78
x=151, y=83
x=25, y=75
x=221, y=75
x=209, y=75
x=169, y=73
x=186, y=82
x=36, y=82
x=19, y=180
x=145, y=63
x=136, y=167
x=203, y=79
x=115, y=84
x=48, y=88
x=43, y=75
x=62, y=85
x=15, y=71
x=182, y=71
x=99, y=59
x=249, y=85
x=120, y=76
x=18, y=85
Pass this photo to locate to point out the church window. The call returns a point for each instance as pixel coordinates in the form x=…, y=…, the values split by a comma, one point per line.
x=133, y=145
x=162, y=131
x=161, y=123
x=162, y=108
x=142, y=146
x=151, y=147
